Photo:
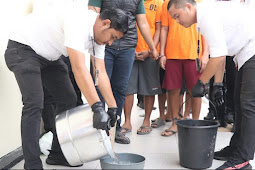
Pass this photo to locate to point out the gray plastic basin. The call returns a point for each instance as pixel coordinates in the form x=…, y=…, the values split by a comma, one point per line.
x=126, y=161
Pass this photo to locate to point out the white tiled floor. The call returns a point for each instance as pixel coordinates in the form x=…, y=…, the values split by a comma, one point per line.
x=160, y=152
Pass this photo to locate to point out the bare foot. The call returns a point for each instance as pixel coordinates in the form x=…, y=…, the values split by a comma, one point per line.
x=170, y=131
x=126, y=128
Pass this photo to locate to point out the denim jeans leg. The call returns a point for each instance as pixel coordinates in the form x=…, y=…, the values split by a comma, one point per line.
x=121, y=71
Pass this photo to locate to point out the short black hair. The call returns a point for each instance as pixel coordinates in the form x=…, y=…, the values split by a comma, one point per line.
x=118, y=18
x=179, y=3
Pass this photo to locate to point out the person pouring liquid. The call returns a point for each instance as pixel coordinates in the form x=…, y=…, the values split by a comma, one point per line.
x=33, y=55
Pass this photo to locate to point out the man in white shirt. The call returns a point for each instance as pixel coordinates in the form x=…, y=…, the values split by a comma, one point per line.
x=33, y=55
x=228, y=29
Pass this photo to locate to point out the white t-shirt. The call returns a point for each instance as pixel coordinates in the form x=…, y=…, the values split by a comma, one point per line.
x=228, y=29
x=48, y=33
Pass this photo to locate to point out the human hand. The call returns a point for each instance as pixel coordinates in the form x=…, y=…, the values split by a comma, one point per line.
x=217, y=94
x=142, y=55
x=198, y=89
x=162, y=62
x=112, y=112
x=203, y=62
x=154, y=54
x=101, y=119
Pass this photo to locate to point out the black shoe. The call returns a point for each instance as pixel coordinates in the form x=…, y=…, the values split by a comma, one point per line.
x=223, y=123
x=121, y=138
x=235, y=164
x=224, y=154
x=141, y=105
x=210, y=116
x=59, y=160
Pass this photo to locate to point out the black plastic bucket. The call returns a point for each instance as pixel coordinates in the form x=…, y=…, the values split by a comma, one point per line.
x=196, y=139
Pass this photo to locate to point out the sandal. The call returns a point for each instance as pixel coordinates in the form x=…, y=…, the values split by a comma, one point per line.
x=157, y=123
x=139, y=132
x=167, y=131
x=126, y=130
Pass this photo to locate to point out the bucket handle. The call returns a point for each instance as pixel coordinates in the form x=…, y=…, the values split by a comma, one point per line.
x=216, y=113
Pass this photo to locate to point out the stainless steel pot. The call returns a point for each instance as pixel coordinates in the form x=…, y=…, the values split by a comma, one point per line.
x=79, y=141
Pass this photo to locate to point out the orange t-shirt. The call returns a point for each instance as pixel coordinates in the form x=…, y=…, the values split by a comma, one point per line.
x=153, y=14
x=181, y=42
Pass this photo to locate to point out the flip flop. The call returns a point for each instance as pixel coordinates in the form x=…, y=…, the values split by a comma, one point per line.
x=171, y=134
x=157, y=123
x=144, y=133
x=126, y=130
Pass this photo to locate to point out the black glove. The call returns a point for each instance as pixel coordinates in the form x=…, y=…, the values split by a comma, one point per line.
x=217, y=94
x=101, y=119
x=198, y=89
x=113, y=116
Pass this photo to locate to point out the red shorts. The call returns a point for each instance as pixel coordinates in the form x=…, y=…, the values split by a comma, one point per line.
x=176, y=69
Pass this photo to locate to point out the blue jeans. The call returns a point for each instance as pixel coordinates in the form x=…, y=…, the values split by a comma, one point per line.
x=118, y=64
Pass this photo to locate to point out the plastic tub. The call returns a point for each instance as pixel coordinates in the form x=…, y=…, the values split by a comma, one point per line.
x=196, y=142
x=126, y=161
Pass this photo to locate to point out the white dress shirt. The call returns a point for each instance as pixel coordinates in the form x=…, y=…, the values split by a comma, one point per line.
x=49, y=32
x=228, y=28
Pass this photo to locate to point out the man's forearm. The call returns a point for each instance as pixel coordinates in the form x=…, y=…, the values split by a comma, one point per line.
x=156, y=37
x=205, y=47
x=104, y=85
x=145, y=30
x=218, y=77
x=212, y=67
x=105, y=88
x=86, y=85
x=163, y=39
x=82, y=76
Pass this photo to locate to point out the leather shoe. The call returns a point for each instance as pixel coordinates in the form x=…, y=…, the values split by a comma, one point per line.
x=55, y=160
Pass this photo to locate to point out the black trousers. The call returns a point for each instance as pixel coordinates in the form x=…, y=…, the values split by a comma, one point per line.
x=49, y=110
x=243, y=139
x=230, y=81
x=32, y=72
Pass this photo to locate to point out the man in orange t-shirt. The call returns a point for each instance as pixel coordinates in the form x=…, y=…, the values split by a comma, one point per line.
x=178, y=52
x=144, y=79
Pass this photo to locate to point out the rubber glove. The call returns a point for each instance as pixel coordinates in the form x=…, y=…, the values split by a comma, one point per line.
x=101, y=119
x=217, y=94
x=112, y=112
x=198, y=89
